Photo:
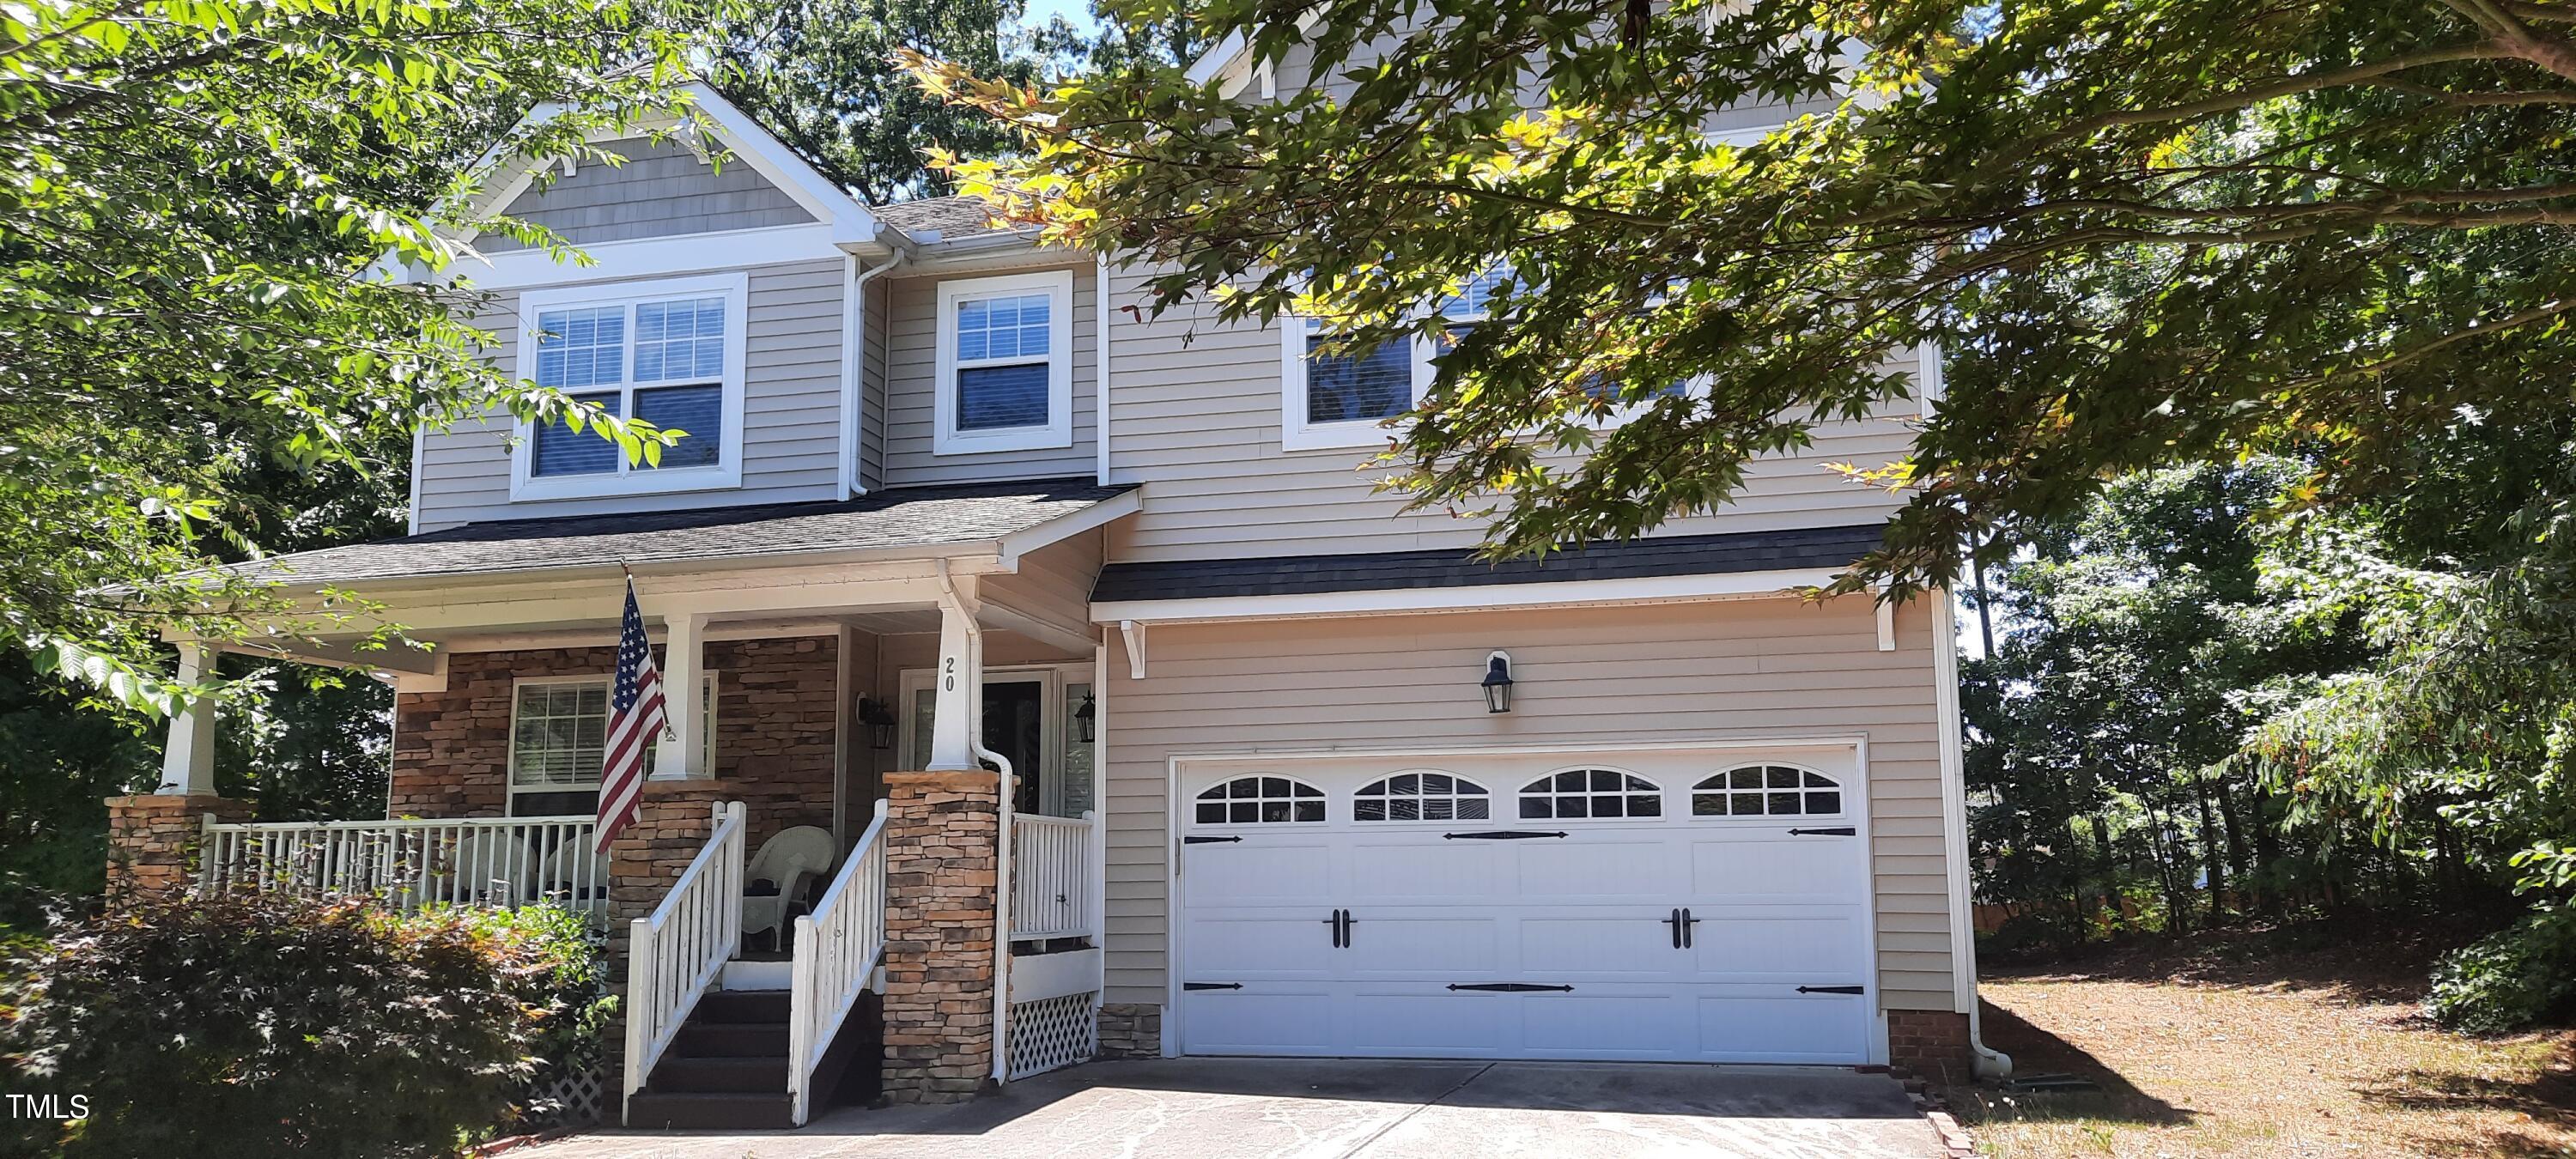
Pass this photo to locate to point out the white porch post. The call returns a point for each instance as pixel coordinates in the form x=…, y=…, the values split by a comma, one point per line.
x=683, y=752
x=188, y=763
x=951, y=743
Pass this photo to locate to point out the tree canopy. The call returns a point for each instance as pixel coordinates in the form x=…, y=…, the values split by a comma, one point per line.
x=190, y=197
x=2141, y=231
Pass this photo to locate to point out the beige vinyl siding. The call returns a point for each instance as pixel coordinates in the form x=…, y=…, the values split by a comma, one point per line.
x=791, y=414
x=912, y=352
x=1766, y=668
x=872, y=369
x=662, y=190
x=1195, y=418
x=1054, y=582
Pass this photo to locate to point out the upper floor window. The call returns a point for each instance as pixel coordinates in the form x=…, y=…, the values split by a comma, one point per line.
x=1340, y=397
x=667, y=352
x=1005, y=364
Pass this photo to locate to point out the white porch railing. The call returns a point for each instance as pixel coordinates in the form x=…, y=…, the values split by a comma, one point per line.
x=837, y=947
x=674, y=955
x=484, y=861
x=1051, y=891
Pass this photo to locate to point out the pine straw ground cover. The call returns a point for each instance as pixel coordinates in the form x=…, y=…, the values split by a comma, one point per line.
x=2249, y=1044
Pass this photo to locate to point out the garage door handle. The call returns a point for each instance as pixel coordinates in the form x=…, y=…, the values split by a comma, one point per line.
x=1837, y=831
x=1207, y=840
x=1829, y=989
x=1505, y=987
x=1341, y=923
x=1498, y=835
x=1211, y=985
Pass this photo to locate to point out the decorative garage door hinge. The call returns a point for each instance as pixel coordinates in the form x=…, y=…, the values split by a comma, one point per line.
x=1197, y=840
x=1829, y=989
x=1211, y=985
x=1837, y=831
x=1498, y=835
x=1505, y=987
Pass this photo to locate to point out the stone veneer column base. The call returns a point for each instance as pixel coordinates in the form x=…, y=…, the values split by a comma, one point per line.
x=1930, y=1044
x=1131, y=1030
x=152, y=841
x=942, y=850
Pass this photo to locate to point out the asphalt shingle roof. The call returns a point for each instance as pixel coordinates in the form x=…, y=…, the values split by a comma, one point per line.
x=949, y=216
x=909, y=517
x=1805, y=548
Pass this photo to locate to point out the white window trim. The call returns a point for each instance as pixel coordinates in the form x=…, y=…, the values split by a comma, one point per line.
x=1691, y=793
x=1325, y=798
x=1057, y=432
x=510, y=775
x=1298, y=434
x=734, y=288
x=1359, y=793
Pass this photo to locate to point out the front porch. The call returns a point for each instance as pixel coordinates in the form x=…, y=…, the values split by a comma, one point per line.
x=878, y=811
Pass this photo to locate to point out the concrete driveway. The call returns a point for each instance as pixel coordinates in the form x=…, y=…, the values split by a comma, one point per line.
x=1230, y=1108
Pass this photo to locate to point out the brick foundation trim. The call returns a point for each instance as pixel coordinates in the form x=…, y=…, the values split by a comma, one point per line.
x=1131, y=1030
x=152, y=840
x=1930, y=1044
x=943, y=834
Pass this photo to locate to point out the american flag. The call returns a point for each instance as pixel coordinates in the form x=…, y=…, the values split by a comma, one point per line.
x=635, y=720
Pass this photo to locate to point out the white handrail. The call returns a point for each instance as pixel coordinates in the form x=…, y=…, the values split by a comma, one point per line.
x=412, y=862
x=674, y=955
x=1051, y=877
x=837, y=947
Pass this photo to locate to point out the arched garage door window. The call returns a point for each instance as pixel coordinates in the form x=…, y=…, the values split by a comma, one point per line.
x=1591, y=793
x=1767, y=791
x=1259, y=800
x=1422, y=796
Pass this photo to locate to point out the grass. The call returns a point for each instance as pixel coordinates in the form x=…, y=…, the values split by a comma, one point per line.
x=2250, y=1044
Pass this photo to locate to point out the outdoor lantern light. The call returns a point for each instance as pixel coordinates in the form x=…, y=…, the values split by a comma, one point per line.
x=1085, y=715
x=880, y=721
x=1498, y=681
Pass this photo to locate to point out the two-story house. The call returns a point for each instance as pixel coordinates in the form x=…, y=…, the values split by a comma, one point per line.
x=1137, y=720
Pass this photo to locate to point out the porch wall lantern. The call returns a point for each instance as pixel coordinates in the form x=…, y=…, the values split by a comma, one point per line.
x=880, y=720
x=1086, y=716
x=1498, y=681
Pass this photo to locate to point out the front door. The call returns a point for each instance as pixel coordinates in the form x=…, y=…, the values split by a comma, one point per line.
x=1033, y=717
x=1015, y=726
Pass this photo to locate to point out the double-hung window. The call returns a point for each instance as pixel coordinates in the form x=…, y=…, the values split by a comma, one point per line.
x=1341, y=397
x=559, y=739
x=1005, y=364
x=667, y=352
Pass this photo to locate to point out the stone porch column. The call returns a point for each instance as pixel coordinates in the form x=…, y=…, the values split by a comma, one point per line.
x=152, y=841
x=942, y=848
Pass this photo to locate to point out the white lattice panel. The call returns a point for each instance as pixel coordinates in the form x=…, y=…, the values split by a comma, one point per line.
x=575, y=1099
x=1052, y=1033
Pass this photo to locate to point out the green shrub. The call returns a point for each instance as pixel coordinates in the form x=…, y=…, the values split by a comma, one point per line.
x=2520, y=977
x=270, y=1025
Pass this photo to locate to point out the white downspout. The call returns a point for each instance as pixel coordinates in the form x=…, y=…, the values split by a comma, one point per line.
x=854, y=316
x=1100, y=390
x=956, y=605
x=1988, y=1062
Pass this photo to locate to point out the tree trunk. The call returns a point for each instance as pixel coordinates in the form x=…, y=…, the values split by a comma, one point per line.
x=2212, y=856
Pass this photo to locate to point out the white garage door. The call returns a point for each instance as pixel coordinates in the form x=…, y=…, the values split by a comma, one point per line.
x=1688, y=906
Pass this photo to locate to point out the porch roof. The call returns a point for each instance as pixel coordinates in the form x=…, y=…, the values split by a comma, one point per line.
x=1798, y=549
x=885, y=521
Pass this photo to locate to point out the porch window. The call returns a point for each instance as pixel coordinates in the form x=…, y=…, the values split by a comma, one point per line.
x=667, y=352
x=1005, y=364
x=559, y=734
